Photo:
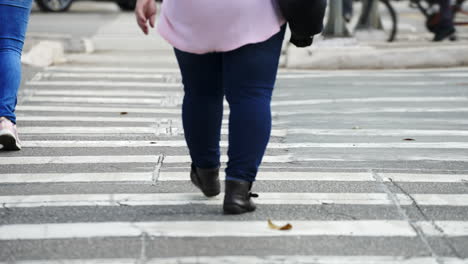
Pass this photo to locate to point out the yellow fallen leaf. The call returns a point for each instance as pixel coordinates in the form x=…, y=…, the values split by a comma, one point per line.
x=288, y=226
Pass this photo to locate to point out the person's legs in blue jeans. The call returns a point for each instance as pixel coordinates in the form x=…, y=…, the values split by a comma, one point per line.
x=249, y=75
x=14, y=16
x=202, y=109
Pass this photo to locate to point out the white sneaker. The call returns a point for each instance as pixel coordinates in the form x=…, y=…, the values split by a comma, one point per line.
x=8, y=135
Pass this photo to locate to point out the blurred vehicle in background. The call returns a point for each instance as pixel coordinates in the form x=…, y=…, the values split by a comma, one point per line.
x=64, y=5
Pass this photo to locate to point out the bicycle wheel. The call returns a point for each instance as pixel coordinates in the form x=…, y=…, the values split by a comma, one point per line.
x=388, y=19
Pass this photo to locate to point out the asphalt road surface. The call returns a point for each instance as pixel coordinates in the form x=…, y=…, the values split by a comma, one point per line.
x=367, y=166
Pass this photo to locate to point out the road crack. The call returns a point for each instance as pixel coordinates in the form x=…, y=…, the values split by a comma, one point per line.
x=396, y=202
x=426, y=218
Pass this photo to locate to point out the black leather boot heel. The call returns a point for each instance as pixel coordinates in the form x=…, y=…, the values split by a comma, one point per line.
x=207, y=180
x=237, y=197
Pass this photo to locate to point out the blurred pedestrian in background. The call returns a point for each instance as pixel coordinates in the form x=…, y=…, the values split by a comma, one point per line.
x=445, y=27
x=224, y=48
x=14, y=16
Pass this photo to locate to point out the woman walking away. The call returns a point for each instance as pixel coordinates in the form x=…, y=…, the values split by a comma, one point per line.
x=224, y=48
x=14, y=16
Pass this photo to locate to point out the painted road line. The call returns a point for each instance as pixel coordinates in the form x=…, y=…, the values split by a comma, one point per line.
x=36, y=98
x=112, y=93
x=352, y=111
x=356, y=228
x=164, y=199
x=117, y=159
x=80, y=109
x=275, y=259
x=113, y=69
x=144, y=199
x=99, y=100
x=379, y=132
x=76, y=177
x=181, y=143
x=262, y=176
x=175, y=176
x=371, y=100
x=361, y=228
x=425, y=177
x=186, y=159
x=98, y=83
x=120, y=130
x=22, y=118
x=282, y=113
x=51, y=118
x=121, y=75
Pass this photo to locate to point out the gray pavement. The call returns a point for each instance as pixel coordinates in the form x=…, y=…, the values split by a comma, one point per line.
x=341, y=167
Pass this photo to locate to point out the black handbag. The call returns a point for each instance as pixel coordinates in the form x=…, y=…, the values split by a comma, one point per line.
x=305, y=19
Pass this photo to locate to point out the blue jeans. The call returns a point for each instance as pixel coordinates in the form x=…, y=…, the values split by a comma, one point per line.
x=14, y=16
x=246, y=76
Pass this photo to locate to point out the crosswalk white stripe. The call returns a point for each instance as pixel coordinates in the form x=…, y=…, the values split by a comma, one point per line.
x=348, y=111
x=361, y=228
x=97, y=109
x=370, y=100
x=101, y=100
x=120, y=130
x=262, y=176
x=102, y=75
x=181, y=143
x=81, y=118
x=116, y=159
x=417, y=177
x=358, y=228
x=113, y=69
x=143, y=199
x=378, y=132
x=75, y=177
x=135, y=199
x=98, y=83
x=112, y=93
x=178, y=176
x=65, y=99
x=22, y=118
x=185, y=159
x=274, y=259
x=352, y=111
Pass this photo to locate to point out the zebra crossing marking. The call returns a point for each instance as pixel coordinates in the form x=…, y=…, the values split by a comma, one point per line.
x=358, y=228
x=100, y=100
x=99, y=83
x=378, y=132
x=174, y=176
x=116, y=110
x=112, y=93
x=165, y=176
x=267, y=198
x=120, y=130
x=274, y=259
x=371, y=100
x=351, y=228
x=181, y=143
x=24, y=160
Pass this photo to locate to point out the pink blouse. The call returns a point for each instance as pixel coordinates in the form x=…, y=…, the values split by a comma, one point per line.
x=202, y=26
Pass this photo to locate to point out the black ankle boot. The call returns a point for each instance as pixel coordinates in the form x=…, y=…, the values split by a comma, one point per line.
x=207, y=180
x=237, y=198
